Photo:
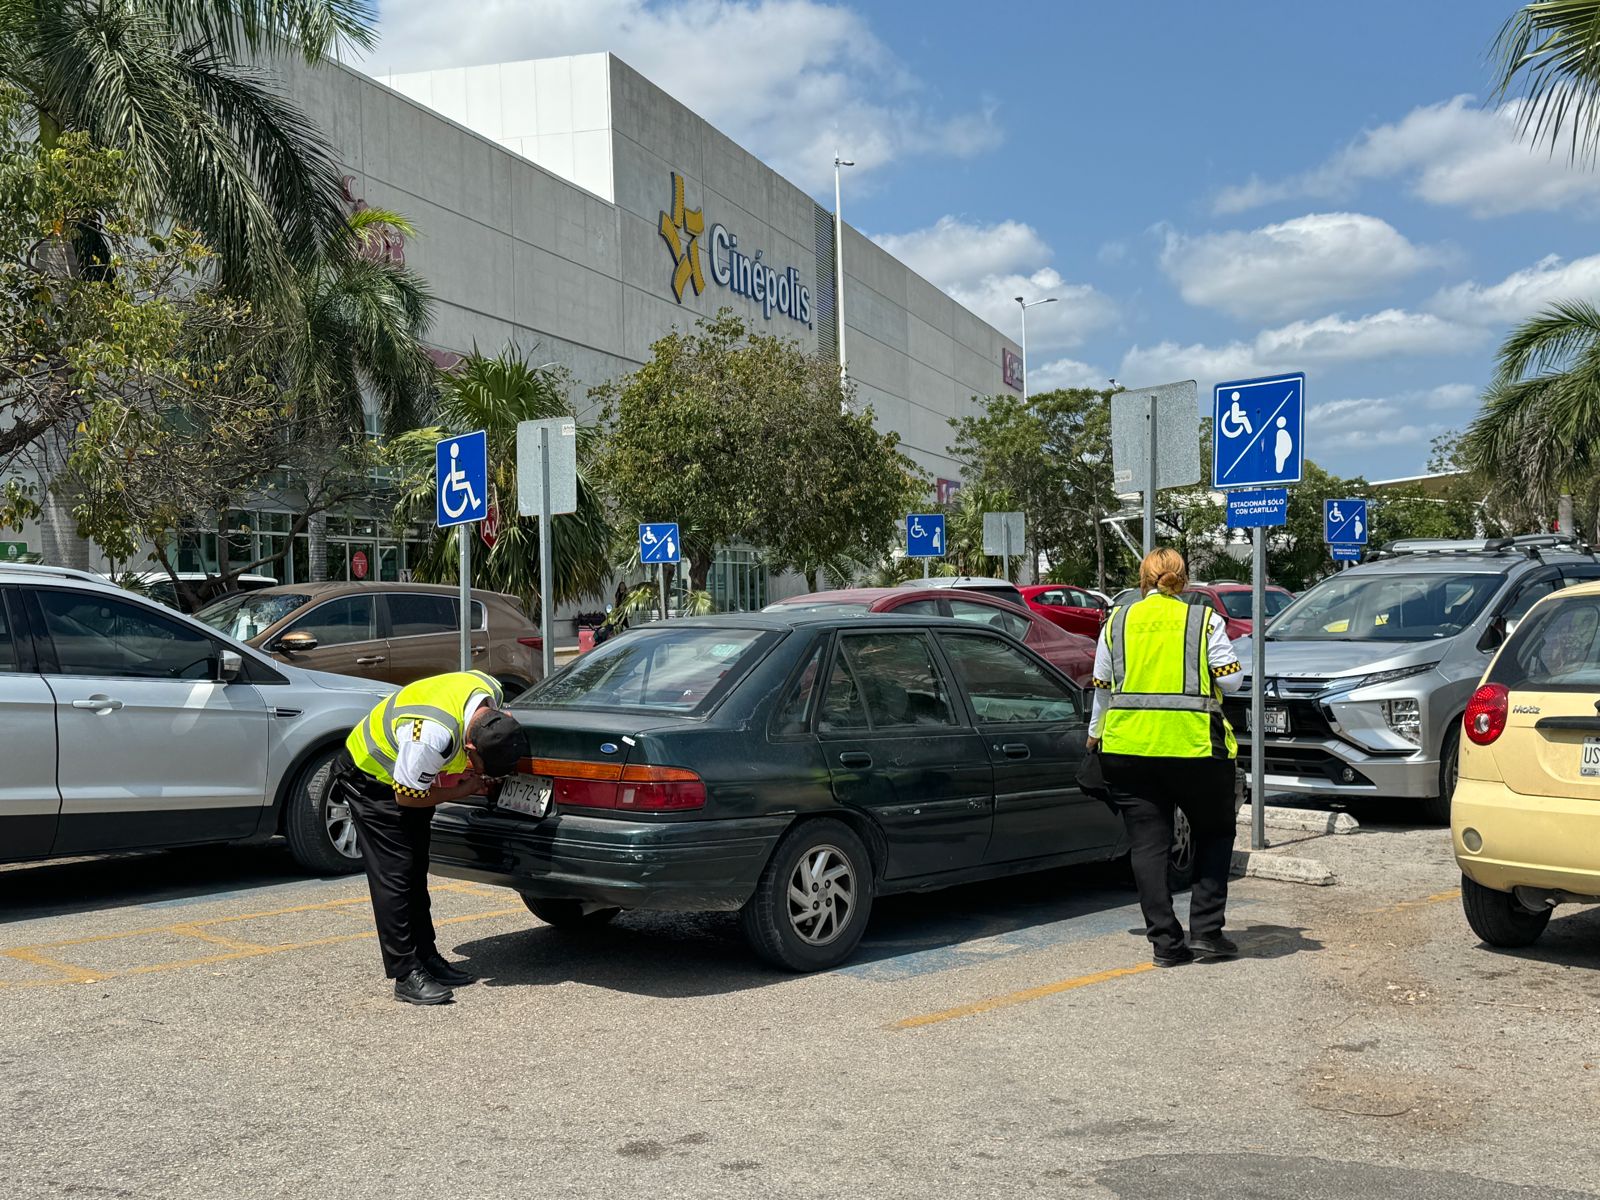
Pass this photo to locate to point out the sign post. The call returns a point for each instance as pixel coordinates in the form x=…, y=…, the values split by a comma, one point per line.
x=461, y=498
x=1003, y=534
x=659, y=543
x=1258, y=428
x=1155, y=443
x=547, y=484
x=925, y=537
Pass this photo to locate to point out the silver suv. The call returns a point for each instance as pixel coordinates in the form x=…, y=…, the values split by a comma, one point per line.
x=128, y=726
x=1368, y=673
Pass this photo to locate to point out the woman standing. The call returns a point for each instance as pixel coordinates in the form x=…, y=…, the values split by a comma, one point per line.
x=1160, y=672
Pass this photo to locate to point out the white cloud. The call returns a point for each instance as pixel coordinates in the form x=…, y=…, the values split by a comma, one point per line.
x=1522, y=293
x=790, y=79
x=1326, y=341
x=1064, y=373
x=1296, y=266
x=1387, y=421
x=1453, y=153
x=986, y=267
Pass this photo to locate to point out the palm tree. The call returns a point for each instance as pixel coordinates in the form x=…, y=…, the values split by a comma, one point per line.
x=1554, y=45
x=210, y=142
x=1539, y=428
x=494, y=394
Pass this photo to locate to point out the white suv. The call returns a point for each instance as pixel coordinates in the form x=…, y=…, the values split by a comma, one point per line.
x=129, y=726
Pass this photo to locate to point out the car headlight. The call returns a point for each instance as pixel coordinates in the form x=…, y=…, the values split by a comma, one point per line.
x=1404, y=717
x=1397, y=673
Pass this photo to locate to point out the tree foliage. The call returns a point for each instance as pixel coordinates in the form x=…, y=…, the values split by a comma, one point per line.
x=1552, y=49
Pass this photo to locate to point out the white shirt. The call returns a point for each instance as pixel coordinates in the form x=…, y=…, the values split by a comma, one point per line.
x=1225, y=668
x=422, y=747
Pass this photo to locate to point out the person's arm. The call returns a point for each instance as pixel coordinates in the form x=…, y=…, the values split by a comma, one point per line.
x=1225, y=665
x=419, y=756
x=1101, y=686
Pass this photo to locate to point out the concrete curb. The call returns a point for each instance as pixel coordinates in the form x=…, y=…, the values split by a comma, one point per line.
x=1256, y=865
x=1306, y=819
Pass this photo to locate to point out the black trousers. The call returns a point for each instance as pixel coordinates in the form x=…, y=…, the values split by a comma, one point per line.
x=394, y=846
x=1148, y=791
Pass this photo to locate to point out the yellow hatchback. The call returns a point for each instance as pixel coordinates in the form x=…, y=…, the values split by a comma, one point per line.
x=1526, y=811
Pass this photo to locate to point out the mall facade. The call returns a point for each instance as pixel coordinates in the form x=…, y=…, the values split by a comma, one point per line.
x=572, y=208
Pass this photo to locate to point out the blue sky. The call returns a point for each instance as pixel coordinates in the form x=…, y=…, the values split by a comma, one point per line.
x=1214, y=191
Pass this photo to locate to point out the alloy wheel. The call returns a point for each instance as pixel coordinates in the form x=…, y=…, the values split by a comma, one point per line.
x=341, y=829
x=822, y=895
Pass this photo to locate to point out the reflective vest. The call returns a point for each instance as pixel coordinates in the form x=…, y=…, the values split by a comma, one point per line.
x=441, y=698
x=1164, y=703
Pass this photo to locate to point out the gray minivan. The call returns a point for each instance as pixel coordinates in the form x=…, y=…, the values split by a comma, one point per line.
x=1368, y=672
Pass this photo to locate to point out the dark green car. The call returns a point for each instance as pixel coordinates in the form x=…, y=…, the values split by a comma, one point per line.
x=792, y=768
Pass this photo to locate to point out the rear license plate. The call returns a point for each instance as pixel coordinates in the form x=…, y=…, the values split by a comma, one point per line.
x=1273, y=719
x=528, y=794
x=1591, y=757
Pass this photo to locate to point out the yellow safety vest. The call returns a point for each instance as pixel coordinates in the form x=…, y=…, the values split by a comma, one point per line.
x=1164, y=703
x=441, y=698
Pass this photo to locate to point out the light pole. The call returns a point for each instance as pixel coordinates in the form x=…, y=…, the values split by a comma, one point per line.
x=838, y=261
x=1026, y=305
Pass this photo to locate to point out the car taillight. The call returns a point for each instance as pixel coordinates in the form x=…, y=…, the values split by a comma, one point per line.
x=535, y=642
x=636, y=788
x=660, y=789
x=1485, y=717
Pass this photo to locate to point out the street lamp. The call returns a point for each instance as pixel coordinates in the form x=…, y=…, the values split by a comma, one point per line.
x=838, y=259
x=1026, y=305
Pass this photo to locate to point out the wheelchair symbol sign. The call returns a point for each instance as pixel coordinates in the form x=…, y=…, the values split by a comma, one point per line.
x=461, y=471
x=1259, y=429
x=925, y=535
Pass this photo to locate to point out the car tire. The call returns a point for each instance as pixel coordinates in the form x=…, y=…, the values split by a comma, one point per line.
x=1436, y=809
x=1498, y=919
x=321, y=833
x=511, y=686
x=811, y=940
x=1180, y=862
x=568, y=915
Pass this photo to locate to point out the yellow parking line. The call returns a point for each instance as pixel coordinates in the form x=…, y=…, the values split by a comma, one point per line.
x=1436, y=898
x=1022, y=997
x=70, y=972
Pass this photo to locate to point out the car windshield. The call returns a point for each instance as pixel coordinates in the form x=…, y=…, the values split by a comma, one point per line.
x=245, y=614
x=821, y=608
x=1386, y=608
x=663, y=670
x=1557, y=649
x=1237, y=603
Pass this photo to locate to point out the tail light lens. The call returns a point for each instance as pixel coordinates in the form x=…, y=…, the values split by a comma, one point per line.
x=632, y=789
x=1485, y=718
x=535, y=642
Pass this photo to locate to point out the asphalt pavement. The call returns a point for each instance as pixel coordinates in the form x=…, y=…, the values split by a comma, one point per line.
x=207, y=1023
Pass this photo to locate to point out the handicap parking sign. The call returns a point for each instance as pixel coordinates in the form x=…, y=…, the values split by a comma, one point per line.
x=1344, y=522
x=925, y=535
x=1258, y=432
x=461, y=473
x=659, y=543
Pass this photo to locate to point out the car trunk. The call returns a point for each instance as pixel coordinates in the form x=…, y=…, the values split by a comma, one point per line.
x=1541, y=752
x=609, y=763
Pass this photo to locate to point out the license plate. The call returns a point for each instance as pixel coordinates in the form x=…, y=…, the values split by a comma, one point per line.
x=528, y=794
x=1274, y=719
x=1591, y=757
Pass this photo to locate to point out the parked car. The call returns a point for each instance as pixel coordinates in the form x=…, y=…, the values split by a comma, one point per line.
x=790, y=766
x=1002, y=588
x=134, y=727
x=1525, y=818
x=159, y=585
x=1077, y=610
x=1233, y=602
x=396, y=632
x=1130, y=595
x=1070, y=652
x=1369, y=672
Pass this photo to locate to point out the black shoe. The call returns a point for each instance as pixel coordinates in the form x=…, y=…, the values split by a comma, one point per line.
x=444, y=971
x=421, y=988
x=1214, y=945
x=1178, y=956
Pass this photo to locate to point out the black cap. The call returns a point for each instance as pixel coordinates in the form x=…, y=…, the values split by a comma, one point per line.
x=500, y=742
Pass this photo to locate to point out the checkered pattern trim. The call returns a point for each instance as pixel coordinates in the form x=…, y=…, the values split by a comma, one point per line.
x=1232, y=668
x=416, y=731
x=1104, y=684
x=412, y=793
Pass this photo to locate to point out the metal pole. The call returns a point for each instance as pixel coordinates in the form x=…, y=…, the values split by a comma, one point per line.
x=1150, y=485
x=464, y=534
x=1258, y=667
x=661, y=583
x=546, y=554
x=838, y=259
x=1005, y=536
x=924, y=568
x=1024, y=353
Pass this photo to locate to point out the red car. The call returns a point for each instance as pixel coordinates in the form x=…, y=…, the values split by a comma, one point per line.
x=1070, y=652
x=1072, y=608
x=1232, y=600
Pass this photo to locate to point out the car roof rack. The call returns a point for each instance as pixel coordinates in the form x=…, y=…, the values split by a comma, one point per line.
x=1528, y=543
x=29, y=568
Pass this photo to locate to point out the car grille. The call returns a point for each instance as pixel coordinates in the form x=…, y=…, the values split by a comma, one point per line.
x=1306, y=761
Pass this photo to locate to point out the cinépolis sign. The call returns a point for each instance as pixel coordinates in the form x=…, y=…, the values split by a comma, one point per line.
x=684, y=228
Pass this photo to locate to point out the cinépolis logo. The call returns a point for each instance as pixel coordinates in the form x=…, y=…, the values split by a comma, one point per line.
x=683, y=229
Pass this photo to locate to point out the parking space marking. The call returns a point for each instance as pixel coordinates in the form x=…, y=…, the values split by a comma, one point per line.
x=1011, y=999
x=1422, y=902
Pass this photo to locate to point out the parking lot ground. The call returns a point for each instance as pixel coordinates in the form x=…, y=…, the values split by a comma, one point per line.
x=209, y=1024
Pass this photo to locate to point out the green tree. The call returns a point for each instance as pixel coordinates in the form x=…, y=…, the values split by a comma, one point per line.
x=1552, y=48
x=495, y=394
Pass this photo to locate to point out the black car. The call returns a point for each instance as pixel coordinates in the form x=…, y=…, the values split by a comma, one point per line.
x=790, y=767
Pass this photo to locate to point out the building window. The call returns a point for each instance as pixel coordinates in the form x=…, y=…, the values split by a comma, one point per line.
x=738, y=581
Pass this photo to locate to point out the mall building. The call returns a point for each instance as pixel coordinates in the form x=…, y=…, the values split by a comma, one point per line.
x=574, y=209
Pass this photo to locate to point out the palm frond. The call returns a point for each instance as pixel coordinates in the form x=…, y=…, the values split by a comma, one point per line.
x=1549, y=340
x=312, y=28
x=1553, y=47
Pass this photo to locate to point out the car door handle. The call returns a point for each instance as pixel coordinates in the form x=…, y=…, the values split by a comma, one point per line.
x=370, y=660
x=855, y=758
x=479, y=649
x=99, y=704
x=1015, y=750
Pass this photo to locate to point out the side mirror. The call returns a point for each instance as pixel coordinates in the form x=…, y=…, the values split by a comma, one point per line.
x=229, y=664
x=296, y=643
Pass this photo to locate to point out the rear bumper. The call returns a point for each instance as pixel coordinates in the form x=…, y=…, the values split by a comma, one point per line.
x=1548, y=843
x=680, y=866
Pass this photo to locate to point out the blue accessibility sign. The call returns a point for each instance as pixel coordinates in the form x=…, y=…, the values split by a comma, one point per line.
x=1346, y=553
x=461, y=472
x=1261, y=507
x=1258, y=432
x=659, y=543
x=1344, y=522
x=925, y=535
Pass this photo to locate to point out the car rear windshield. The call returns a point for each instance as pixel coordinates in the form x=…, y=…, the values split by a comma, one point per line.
x=1386, y=608
x=245, y=614
x=1004, y=593
x=660, y=670
x=1555, y=649
x=1238, y=603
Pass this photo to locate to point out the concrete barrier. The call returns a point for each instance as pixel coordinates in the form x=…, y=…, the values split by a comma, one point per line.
x=1282, y=867
x=1307, y=820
